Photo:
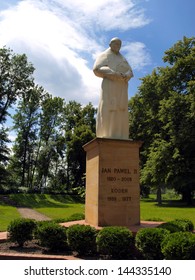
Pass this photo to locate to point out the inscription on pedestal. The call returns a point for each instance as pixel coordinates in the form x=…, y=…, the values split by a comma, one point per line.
x=118, y=182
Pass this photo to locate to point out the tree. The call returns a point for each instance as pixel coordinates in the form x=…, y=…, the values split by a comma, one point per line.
x=47, y=151
x=79, y=129
x=15, y=78
x=52, y=143
x=178, y=123
x=4, y=158
x=26, y=125
x=162, y=115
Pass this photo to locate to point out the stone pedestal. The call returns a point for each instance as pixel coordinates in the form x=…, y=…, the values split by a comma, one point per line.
x=112, y=182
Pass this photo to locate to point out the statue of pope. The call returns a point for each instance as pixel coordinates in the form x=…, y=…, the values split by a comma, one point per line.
x=112, y=116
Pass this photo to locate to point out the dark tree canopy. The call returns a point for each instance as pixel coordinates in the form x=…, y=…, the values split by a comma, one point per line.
x=163, y=116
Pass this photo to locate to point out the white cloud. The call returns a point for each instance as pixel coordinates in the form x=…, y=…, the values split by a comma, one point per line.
x=107, y=14
x=62, y=37
x=137, y=54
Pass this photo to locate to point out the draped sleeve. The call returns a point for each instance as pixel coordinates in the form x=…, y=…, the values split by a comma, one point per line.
x=101, y=67
x=112, y=66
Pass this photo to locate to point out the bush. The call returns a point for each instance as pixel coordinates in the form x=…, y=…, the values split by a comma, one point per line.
x=41, y=224
x=148, y=241
x=179, y=246
x=21, y=230
x=52, y=236
x=171, y=227
x=73, y=217
x=115, y=242
x=82, y=239
x=188, y=225
x=76, y=217
x=178, y=225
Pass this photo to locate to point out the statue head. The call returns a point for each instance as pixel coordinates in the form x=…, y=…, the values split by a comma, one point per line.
x=115, y=44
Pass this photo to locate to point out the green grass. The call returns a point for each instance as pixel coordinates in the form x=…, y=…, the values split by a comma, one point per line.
x=63, y=206
x=62, y=213
x=53, y=206
x=44, y=200
x=7, y=214
x=169, y=210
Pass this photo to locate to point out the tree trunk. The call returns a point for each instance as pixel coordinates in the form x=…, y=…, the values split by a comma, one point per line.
x=187, y=196
x=159, y=196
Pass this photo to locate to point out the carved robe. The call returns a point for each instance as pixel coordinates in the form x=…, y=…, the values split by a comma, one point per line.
x=112, y=116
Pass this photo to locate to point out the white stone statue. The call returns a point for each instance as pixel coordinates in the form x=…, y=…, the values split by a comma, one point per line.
x=112, y=116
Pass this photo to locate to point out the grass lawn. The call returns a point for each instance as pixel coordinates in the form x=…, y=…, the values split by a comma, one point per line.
x=53, y=206
x=169, y=210
x=7, y=214
x=62, y=212
x=63, y=206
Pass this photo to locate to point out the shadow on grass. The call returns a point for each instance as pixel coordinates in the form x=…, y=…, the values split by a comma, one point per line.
x=43, y=200
x=175, y=203
x=67, y=198
x=148, y=200
x=170, y=203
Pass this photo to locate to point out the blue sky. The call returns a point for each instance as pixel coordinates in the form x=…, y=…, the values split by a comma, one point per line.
x=63, y=37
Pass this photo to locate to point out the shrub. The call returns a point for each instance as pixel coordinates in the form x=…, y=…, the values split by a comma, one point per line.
x=82, y=239
x=52, y=236
x=41, y=224
x=115, y=242
x=73, y=217
x=21, y=230
x=148, y=241
x=171, y=227
x=178, y=225
x=76, y=217
x=188, y=225
x=179, y=246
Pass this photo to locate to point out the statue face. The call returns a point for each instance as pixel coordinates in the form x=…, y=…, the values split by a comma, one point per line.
x=115, y=46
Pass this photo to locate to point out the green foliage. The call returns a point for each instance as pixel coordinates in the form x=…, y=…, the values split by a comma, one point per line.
x=21, y=230
x=82, y=239
x=52, y=236
x=76, y=217
x=115, y=242
x=179, y=246
x=178, y=225
x=172, y=226
x=148, y=241
x=79, y=191
x=50, y=161
x=80, y=129
x=15, y=79
x=170, y=194
x=188, y=224
x=73, y=217
x=44, y=157
x=25, y=147
x=162, y=114
x=4, y=158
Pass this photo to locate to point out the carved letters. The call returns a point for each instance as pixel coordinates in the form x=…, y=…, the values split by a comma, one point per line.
x=118, y=180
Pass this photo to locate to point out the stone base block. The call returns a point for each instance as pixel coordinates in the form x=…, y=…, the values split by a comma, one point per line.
x=112, y=182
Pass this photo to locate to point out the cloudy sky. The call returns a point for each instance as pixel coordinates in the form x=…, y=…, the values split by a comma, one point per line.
x=63, y=37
